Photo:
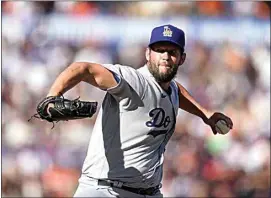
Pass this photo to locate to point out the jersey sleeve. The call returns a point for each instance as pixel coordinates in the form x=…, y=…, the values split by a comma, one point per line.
x=130, y=82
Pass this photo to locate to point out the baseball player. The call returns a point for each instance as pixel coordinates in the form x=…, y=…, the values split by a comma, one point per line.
x=136, y=119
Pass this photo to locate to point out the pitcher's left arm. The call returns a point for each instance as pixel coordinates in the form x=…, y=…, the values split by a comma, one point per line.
x=189, y=104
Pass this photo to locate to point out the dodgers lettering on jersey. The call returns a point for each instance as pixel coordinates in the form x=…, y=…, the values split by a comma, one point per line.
x=133, y=126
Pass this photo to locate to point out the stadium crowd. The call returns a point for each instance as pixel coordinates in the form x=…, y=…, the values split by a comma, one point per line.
x=226, y=77
x=141, y=8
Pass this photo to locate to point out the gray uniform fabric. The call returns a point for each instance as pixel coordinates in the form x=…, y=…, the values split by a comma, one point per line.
x=133, y=126
x=92, y=189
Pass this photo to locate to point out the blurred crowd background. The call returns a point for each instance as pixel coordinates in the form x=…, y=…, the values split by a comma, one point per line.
x=226, y=70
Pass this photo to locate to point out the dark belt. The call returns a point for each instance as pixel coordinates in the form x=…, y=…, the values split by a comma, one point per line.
x=141, y=191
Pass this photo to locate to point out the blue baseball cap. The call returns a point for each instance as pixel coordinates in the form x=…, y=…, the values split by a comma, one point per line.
x=168, y=33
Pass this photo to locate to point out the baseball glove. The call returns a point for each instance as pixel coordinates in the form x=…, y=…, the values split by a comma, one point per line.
x=63, y=109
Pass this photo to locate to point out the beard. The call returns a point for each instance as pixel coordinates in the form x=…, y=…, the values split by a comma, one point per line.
x=163, y=77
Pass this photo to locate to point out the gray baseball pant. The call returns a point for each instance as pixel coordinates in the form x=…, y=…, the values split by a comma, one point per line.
x=92, y=189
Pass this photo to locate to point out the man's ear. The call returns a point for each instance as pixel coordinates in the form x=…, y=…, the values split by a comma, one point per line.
x=182, y=59
x=147, y=54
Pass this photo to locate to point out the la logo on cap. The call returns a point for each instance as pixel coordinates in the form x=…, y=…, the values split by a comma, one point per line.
x=167, y=31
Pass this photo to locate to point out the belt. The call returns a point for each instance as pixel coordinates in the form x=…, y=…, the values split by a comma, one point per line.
x=142, y=191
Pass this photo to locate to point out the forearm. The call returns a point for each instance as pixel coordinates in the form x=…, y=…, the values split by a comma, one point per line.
x=92, y=73
x=70, y=77
x=189, y=104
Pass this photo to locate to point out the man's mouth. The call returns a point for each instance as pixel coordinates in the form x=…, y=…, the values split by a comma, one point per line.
x=165, y=65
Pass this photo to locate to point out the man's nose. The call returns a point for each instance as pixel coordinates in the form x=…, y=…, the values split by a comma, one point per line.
x=165, y=55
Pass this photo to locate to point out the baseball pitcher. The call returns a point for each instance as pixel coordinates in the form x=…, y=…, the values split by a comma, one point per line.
x=136, y=119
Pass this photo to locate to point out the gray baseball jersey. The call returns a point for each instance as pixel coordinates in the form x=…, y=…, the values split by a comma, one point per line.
x=134, y=124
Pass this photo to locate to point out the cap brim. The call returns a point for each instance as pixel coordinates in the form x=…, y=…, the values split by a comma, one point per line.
x=166, y=40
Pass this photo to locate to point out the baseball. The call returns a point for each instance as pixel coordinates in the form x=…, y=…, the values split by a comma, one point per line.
x=221, y=127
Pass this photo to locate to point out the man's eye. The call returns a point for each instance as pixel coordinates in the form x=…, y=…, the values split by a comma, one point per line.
x=172, y=52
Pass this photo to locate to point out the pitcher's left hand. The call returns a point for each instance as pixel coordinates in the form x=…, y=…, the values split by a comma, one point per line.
x=215, y=118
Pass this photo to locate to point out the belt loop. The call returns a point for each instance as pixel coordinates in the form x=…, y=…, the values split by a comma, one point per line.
x=117, y=184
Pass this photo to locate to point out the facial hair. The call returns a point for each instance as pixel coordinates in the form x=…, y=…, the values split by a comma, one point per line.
x=162, y=77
